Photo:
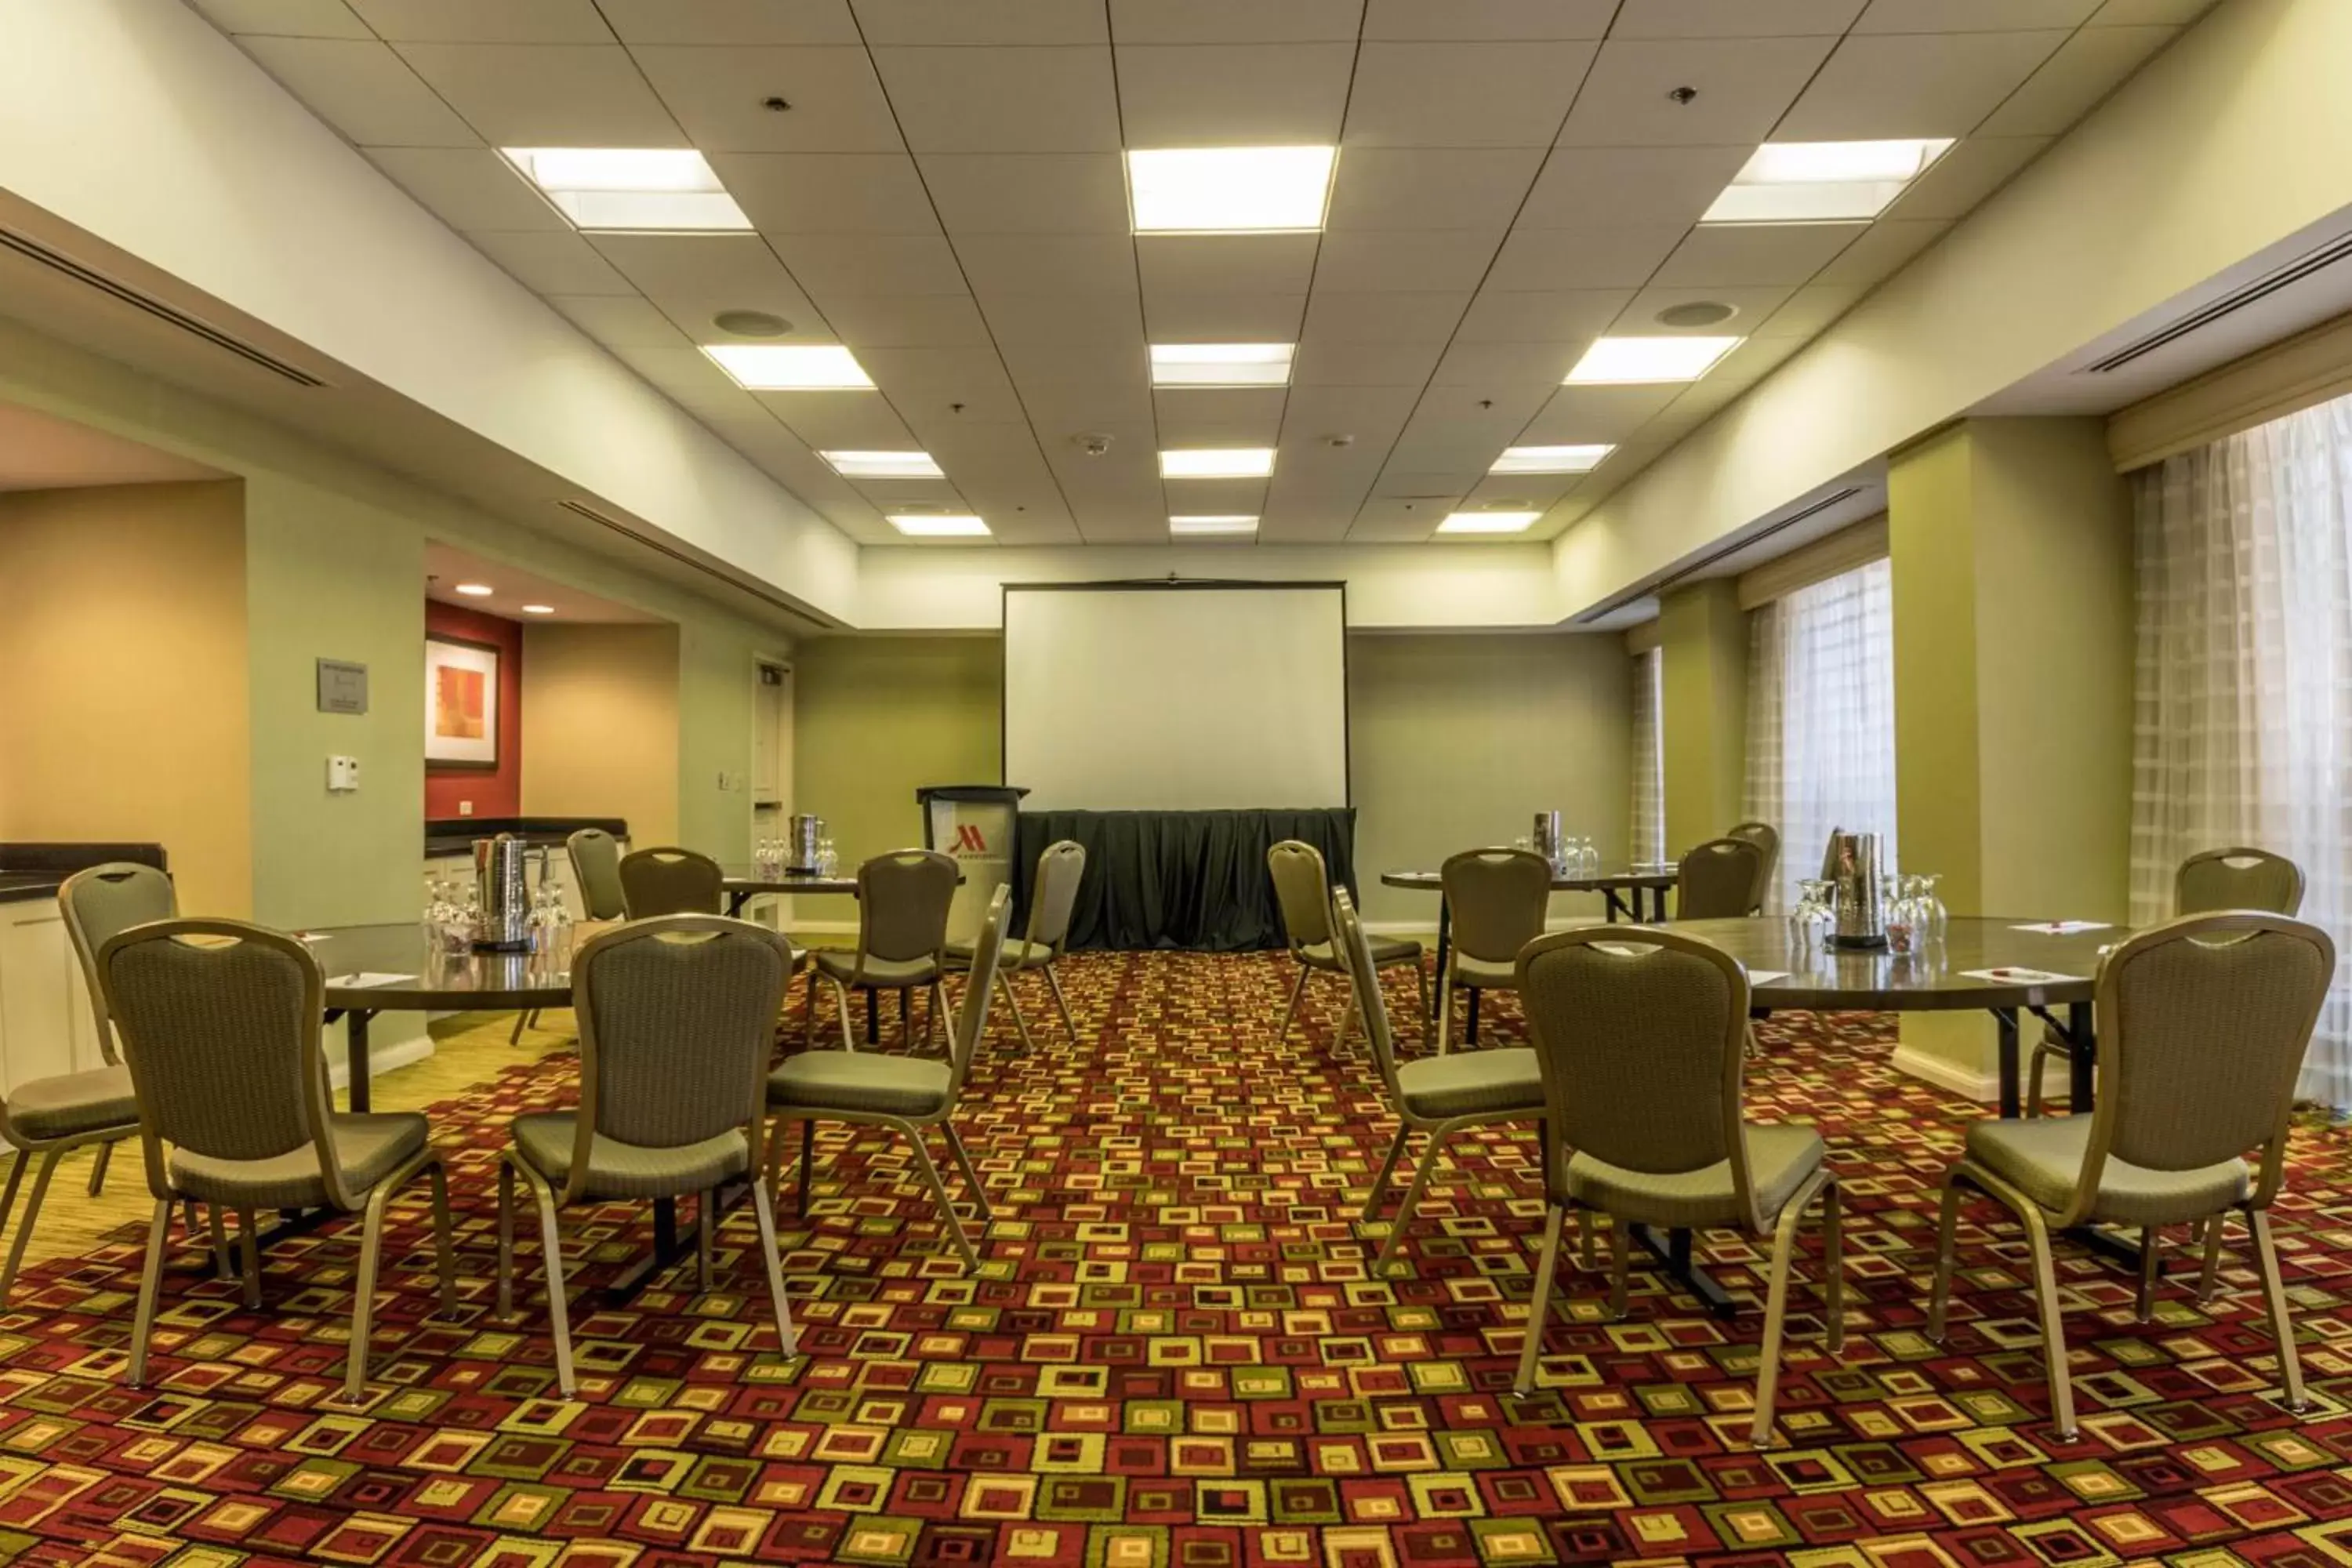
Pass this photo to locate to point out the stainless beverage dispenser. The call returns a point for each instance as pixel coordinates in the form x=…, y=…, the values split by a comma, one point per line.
x=505, y=896
x=804, y=837
x=1546, y=841
x=1854, y=892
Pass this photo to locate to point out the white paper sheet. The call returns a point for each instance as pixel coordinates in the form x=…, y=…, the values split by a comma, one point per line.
x=2063, y=927
x=2021, y=976
x=366, y=978
x=1766, y=976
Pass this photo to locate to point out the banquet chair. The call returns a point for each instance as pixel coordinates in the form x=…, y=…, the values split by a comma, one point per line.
x=1767, y=837
x=908, y=1095
x=1497, y=900
x=902, y=938
x=1437, y=1096
x=1639, y=1035
x=670, y=881
x=677, y=1017
x=1302, y=890
x=1052, y=896
x=2202, y=1025
x=595, y=856
x=2208, y=882
x=1721, y=879
x=220, y=1023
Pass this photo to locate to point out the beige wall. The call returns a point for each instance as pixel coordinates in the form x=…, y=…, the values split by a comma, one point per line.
x=122, y=631
x=600, y=727
x=874, y=718
x=1703, y=720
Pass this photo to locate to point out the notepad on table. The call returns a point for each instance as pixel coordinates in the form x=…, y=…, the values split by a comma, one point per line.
x=2020, y=977
x=365, y=979
x=2062, y=928
x=1766, y=976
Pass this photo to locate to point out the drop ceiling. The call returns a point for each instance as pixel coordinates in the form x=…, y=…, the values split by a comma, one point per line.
x=944, y=195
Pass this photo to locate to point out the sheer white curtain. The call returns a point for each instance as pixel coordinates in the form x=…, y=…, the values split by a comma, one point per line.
x=1821, y=719
x=2242, y=727
x=1648, y=837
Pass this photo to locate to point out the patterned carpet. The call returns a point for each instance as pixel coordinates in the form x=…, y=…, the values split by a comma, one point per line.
x=1175, y=1357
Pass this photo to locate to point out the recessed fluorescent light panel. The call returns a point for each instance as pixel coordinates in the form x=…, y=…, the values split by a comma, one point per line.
x=1217, y=463
x=1221, y=364
x=1229, y=190
x=1822, y=182
x=631, y=190
x=1206, y=526
x=538, y=610
x=1628, y=361
x=1489, y=522
x=790, y=367
x=938, y=525
x=476, y=590
x=883, y=465
x=1550, y=459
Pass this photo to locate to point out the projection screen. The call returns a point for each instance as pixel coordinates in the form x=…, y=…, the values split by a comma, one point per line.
x=1174, y=697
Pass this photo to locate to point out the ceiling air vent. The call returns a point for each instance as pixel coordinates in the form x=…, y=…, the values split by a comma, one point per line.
x=2261, y=288
x=1611, y=606
x=58, y=261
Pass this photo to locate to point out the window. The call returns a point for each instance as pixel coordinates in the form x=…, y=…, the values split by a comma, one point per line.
x=1821, y=721
x=1649, y=836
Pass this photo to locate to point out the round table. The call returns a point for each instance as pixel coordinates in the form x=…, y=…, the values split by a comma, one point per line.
x=744, y=883
x=392, y=968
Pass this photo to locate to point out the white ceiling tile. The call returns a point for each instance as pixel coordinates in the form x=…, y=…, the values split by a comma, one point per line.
x=468, y=187
x=2150, y=12
x=1064, y=317
x=1884, y=248
x=827, y=192
x=547, y=95
x=552, y=263
x=1324, y=364
x=971, y=451
x=1233, y=95
x=1485, y=365
x=1811, y=310
x=1415, y=187
x=1571, y=259
x=1456, y=426
x=682, y=372
x=982, y=21
x=1463, y=95
x=694, y=276
x=1235, y=21
x=1225, y=263
x=976, y=372
x=1384, y=520
x=839, y=421
x=1518, y=492
x=1744, y=366
x=720, y=95
x=1733, y=255
x=1909, y=84
x=2086, y=68
x=472, y=22
x=364, y=91
x=1972, y=15
x=834, y=265
x=620, y=321
x=1050, y=264
x=288, y=18
x=1630, y=187
x=1734, y=18
x=1064, y=406
x=1027, y=193
x=1375, y=415
x=1576, y=414
x=1429, y=260
x=1036, y=528
x=1215, y=495
x=1218, y=417
x=1744, y=85
x=731, y=21
x=980, y=400
x=908, y=320
x=1003, y=99
x=1555, y=316
x=1752, y=307
x=1223, y=318
x=898, y=495
x=1514, y=19
x=1076, y=362
x=1337, y=315
x=1966, y=176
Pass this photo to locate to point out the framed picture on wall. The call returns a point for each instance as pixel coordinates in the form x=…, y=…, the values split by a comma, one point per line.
x=461, y=703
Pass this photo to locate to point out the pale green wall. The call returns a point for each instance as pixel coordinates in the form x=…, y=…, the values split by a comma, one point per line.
x=334, y=552
x=1703, y=720
x=874, y=719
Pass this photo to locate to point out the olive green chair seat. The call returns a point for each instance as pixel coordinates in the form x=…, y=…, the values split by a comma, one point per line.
x=1486, y=974
x=1019, y=953
x=618, y=1170
x=1779, y=1161
x=1472, y=1083
x=887, y=974
x=2044, y=1160
x=1303, y=892
x=74, y=1102
x=1053, y=897
x=368, y=1149
x=1497, y=900
x=1385, y=951
x=844, y=1080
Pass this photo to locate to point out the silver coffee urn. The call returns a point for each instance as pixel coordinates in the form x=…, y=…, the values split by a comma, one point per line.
x=505, y=898
x=1548, y=842
x=804, y=841
x=1854, y=892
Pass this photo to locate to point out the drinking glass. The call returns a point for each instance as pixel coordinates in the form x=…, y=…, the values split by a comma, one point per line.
x=1934, y=920
x=1812, y=922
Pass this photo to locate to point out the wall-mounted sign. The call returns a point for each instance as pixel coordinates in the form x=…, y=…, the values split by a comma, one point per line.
x=342, y=687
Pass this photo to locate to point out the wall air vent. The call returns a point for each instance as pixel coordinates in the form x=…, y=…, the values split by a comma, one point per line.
x=1611, y=606
x=58, y=261
x=2261, y=288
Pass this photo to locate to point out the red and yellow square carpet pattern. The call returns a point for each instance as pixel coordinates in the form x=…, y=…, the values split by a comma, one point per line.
x=1176, y=1355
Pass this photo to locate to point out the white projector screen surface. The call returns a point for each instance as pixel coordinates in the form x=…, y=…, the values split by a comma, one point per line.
x=1176, y=699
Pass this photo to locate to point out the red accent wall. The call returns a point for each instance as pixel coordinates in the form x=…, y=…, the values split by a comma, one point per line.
x=496, y=793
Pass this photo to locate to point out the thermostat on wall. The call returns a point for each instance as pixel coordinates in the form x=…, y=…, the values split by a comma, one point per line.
x=342, y=774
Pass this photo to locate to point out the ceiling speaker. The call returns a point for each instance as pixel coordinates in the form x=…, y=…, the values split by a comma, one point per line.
x=751, y=323
x=1697, y=314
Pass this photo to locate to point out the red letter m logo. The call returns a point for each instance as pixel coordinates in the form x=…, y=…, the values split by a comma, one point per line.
x=970, y=840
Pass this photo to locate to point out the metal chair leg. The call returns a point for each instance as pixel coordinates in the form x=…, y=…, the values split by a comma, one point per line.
x=98, y=1165
x=1620, y=1261
x=787, y=1340
x=1054, y=984
x=2258, y=1221
x=2054, y=1329
x=1291, y=1012
x=2210, y=1274
x=150, y=1282
x=971, y=1176
x=514, y=1036
x=1388, y=1169
x=1776, y=1321
x=506, y=1241
x=1939, y=1295
x=706, y=1223
x=32, y=1216
x=808, y=1010
x=1539, y=1304
x=363, y=1296
x=16, y=1179
x=808, y=1167
x=1833, y=1264
x=1588, y=1227
x=841, y=1000
x=1429, y=1151
x=2151, y=1269
x=224, y=1257
x=1012, y=1006
x=444, y=1248
x=558, y=1311
x=1446, y=1008
x=249, y=1231
x=940, y=1191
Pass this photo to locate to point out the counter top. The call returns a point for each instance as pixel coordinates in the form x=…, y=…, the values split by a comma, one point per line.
x=16, y=886
x=455, y=834
x=38, y=870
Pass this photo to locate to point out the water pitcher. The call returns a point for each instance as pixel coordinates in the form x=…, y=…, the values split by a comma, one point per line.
x=1854, y=891
x=804, y=837
x=505, y=922
x=1546, y=841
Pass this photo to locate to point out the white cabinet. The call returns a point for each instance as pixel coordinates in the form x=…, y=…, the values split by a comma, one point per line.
x=46, y=1028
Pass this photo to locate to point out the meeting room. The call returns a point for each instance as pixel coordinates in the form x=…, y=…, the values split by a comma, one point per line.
x=1175, y=783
